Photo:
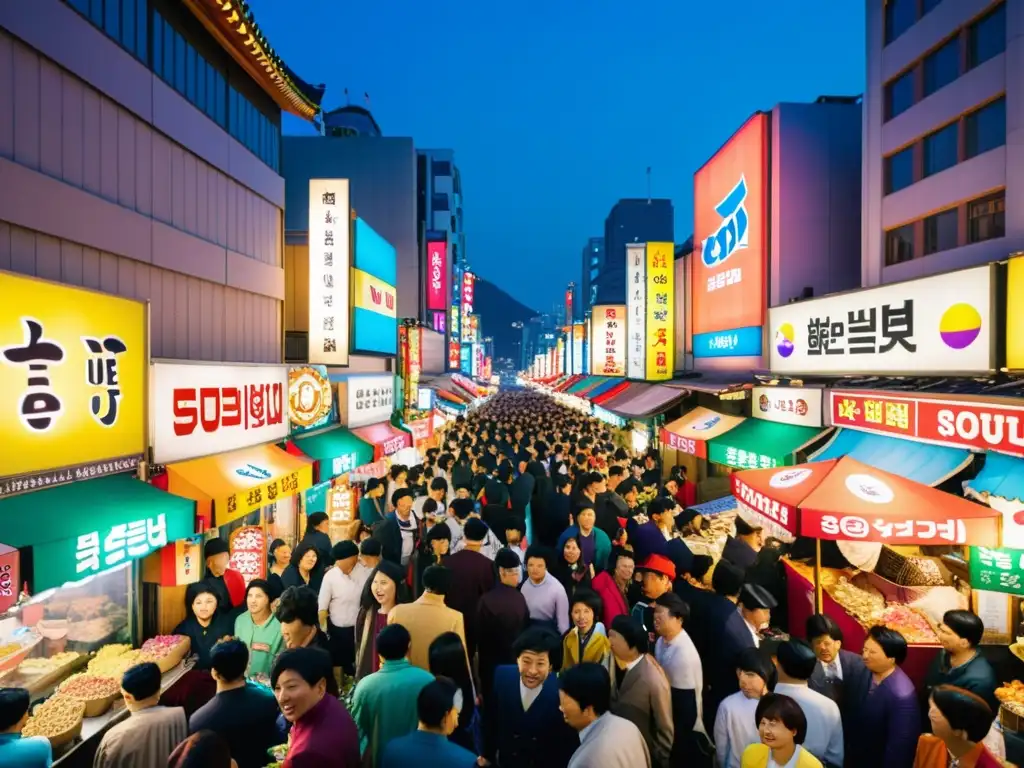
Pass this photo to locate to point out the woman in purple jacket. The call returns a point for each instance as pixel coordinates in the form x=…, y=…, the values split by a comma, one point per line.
x=889, y=721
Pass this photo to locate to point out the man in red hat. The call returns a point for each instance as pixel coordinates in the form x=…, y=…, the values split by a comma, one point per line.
x=658, y=574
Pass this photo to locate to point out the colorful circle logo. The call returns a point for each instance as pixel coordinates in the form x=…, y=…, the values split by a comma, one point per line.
x=707, y=424
x=869, y=488
x=960, y=326
x=787, y=478
x=784, y=339
x=764, y=403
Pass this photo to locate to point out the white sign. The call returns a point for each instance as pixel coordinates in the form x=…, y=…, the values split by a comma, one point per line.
x=608, y=340
x=788, y=405
x=201, y=410
x=94, y=553
x=577, y=349
x=636, y=306
x=424, y=399
x=329, y=221
x=371, y=399
x=940, y=324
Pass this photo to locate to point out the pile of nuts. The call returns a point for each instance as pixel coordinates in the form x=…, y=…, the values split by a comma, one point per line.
x=90, y=687
x=55, y=716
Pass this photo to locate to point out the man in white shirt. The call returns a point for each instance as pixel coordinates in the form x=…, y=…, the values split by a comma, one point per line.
x=678, y=657
x=340, y=592
x=795, y=661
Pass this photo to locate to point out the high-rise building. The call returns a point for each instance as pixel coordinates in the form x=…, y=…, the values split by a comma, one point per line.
x=591, y=264
x=439, y=208
x=630, y=221
x=943, y=143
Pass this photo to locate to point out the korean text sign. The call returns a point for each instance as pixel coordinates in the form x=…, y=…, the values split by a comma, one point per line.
x=369, y=399
x=72, y=373
x=437, y=276
x=200, y=410
x=997, y=570
x=636, y=305
x=329, y=261
x=661, y=343
x=933, y=325
x=787, y=405
x=730, y=195
x=374, y=276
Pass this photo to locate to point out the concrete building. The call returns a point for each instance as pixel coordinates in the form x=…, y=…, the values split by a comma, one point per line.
x=439, y=207
x=630, y=221
x=350, y=121
x=592, y=262
x=140, y=151
x=943, y=139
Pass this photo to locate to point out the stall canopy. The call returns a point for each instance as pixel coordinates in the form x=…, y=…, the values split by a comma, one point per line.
x=338, y=451
x=692, y=432
x=648, y=402
x=920, y=462
x=564, y=382
x=843, y=499
x=231, y=485
x=1002, y=476
x=385, y=439
x=760, y=444
x=583, y=386
x=615, y=390
x=81, y=529
x=631, y=390
x=605, y=385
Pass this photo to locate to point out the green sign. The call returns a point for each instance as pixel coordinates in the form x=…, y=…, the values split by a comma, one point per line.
x=731, y=456
x=997, y=570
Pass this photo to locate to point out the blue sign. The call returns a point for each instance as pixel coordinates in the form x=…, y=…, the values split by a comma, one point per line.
x=466, y=359
x=608, y=417
x=374, y=277
x=732, y=234
x=741, y=342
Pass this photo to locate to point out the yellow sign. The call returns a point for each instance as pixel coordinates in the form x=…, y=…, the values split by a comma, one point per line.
x=73, y=376
x=1015, y=314
x=660, y=311
x=373, y=294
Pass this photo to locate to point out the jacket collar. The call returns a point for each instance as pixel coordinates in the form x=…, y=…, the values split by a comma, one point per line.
x=429, y=598
x=395, y=666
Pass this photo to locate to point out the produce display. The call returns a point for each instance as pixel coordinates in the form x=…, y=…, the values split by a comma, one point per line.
x=55, y=717
x=113, y=649
x=115, y=666
x=864, y=605
x=161, y=645
x=58, y=660
x=910, y=623
x=89, y=687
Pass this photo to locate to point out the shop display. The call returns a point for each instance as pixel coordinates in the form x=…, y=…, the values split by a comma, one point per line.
x=115, y=666
x=59, y=719
x=96, y=692
x=113, y=649
x=37, y=675
x=167, y=651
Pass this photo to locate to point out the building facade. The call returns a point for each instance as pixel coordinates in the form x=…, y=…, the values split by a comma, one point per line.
x=439, y=213
x=630, y=221
x=140, y=151
x=943, y=136
x=591, y=264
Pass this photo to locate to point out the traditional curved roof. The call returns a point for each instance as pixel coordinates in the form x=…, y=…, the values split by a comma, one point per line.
x=232, y=24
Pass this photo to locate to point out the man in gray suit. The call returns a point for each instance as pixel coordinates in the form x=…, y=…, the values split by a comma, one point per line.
x=605, y=739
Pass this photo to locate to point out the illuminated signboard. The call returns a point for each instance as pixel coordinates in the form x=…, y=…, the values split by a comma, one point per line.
x=636, y=305
x=374, y=275
x=437, y=276
x=329, y=221
x=660, y=313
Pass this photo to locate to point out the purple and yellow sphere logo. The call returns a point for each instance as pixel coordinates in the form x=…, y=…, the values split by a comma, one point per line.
x=960, y=326
x=784, y=339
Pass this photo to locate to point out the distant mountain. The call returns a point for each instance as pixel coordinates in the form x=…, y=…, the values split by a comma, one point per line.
x=497, y=312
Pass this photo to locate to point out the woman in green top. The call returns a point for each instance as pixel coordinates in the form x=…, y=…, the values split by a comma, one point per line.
x=371, y=507
x=259, y=629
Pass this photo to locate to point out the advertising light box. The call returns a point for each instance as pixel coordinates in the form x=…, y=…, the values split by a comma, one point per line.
x=374, y=276
x=1015, y=314
x=636, y=305
x=329, y=221
x=437, y=276
x=608, y=340
x=730, y=194
x=787, y=405
x=311, y=401
x=940, y=324
x=660, y=312
x=367, y=399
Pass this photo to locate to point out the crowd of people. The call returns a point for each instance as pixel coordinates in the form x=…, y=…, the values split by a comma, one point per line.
x=526, y=599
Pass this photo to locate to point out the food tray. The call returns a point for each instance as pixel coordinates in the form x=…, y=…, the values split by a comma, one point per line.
x=12, y=660
x=94, y=707
x=893, y=592
x=174, y=656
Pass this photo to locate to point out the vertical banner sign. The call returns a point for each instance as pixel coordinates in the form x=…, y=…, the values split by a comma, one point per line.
x=1015, y=314
x=568, y=306
x=329, y=222
x=636, y=305
x=437, y=276
x=608, y=341
x=578, y=334
x=415, y=366
x=403, y=359
x=660, y=312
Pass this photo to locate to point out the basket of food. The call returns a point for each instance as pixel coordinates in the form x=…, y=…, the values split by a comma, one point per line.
x=908, y=571
x=98, y=693
x=167, y=650
x=1011, y=705
x=115, y=666
x=112, y=649
x=59, y=719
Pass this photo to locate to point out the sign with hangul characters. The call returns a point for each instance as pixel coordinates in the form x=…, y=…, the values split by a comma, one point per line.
x=939, y=324
x=891, y=529
x=72, y=373
x=972, y=424
x=997, y=570
x=368, y=399
x=248, y=552
x=608, y=340
x=731, y=456
x=636, y=308
x=339, y=504
x=10, y=577
x=437, y=275
x=267, y=492
x=764, y=505
x=199, y=410
x=330, y=220
x=788, y=405
x=660, y=319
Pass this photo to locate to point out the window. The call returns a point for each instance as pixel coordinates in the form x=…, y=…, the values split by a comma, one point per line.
x=899, y=170
x=986, y=128
x=126, y=22
x=941, y=149
x=899, y=245
x=940, y=231
x=112, y=19
x=899, y=95
x=986, y=38
x=439, y=201
x=942, y=67
x=257, y=132
x=900, y=16
x=442, y=168
x=986, y=217
x=927, y=6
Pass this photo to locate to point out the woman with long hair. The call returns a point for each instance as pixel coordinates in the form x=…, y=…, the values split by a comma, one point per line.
x=448, y=659
x=587, y=641
x=570, y=569
x=384, y=589
x=305, y=569
x=398, y=477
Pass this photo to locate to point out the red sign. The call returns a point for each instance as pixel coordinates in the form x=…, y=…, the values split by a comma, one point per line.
x=568, y=305
x=454, y=353
x=437, y=276
x=422, y=429
x=908, y=530
x=698, y=448
x=9, y=576
x=467, y=293
x=957, y=423
x=251, y=406
x=763, y=504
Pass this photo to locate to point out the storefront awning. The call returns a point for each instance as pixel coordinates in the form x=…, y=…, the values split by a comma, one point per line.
x=615, y=390
x=604, y=386
x=338, y=451
x=922, y=462
x=760, y=444
x=562, y=383
x=385, y=439
x=649, y=402
x=231, y=485
x=691, y=432
x=632, y=389
x=1002, y=476
x=84, y=528
x=583, y=385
